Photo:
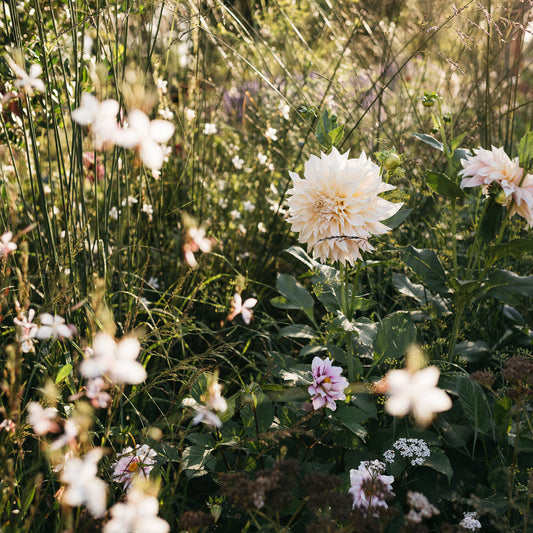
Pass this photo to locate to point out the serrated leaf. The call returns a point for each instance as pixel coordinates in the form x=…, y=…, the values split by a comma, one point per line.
x=395, y=334
x=428, y=139
x=63, y=373
x=442, y=184
x=427, y=266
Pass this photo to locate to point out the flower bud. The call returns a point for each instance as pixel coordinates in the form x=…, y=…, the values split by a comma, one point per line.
x=392, y=162
x=501, y=198
x=216, y=511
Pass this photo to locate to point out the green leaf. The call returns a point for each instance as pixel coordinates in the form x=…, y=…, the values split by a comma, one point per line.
x=491, y=221
x=503, y=416
x=428, y=139
x=299, y=253
x=516, y=248
x=395, y=333
x=324, y=126
x=197, y=460
x=457, y=141
x=427, y=266
x=439, y=461
x=417, y=291
x=63, y=373
x=475, y=405
x=336, y=135
x=507, y=286
x=296, y=296
x=525, y=152
x=442, y=184
x=352, y=417
x=395, y=220
x=298, y=331
x=473, y=352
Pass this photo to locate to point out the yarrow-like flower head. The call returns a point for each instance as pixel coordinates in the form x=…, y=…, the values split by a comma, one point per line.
x=470, y=521
x=369, y=487
x=328, y=384
x=488, y=167
x=336, y=207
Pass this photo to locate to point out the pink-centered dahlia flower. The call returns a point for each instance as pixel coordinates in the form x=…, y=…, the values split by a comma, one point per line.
x=488, y=167
x=336, y=207
x=328, y=384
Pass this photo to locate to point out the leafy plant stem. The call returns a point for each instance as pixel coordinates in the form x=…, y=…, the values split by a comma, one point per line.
x=456, y=325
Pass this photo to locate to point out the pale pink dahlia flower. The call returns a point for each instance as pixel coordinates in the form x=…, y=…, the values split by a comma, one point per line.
x=138, y=461
x=328, y=384
x=336, y=207
x=369, y=487
x=495, y=166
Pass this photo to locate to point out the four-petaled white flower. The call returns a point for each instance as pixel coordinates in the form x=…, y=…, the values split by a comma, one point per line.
x=238, y=307
x=6, y=244
x=146, y=136
x=42, y=420
x=336, y=208
x=83, y=487
x=53, y=327
x=195, y=241
x=116, y=360
x=210, y=128
x=416, y=392
x=137, y=515
x=27, y=81
x=26, y=329
x=101, y=116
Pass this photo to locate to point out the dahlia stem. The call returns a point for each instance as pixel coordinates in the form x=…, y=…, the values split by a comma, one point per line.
x=346, y=308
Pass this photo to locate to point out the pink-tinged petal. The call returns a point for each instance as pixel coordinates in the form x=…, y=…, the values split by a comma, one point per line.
x=161, y=130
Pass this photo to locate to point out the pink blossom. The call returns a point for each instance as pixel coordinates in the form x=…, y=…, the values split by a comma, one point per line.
x=134, y=462
x=196, y=241
x=42, y=420
x=245, y=309
x=369, y=487
x=6, y=244
x=328, y=384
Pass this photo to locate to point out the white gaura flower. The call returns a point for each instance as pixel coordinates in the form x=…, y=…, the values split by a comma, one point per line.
x=196, y=241
x=210, y=128
x=101, y=116
x=53, y=327
x=488, y=167
x=83, y=487
x=27, y=81
x=26, y=329
x=417, y=393
x=336, y=207
x=6, y=244
x=116, y=360
x=146, y=136
x=42, y=420
x=138, y=514
x=271, y=134
x=245, y=309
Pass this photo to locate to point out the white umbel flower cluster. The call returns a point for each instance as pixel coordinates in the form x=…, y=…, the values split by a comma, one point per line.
x=336, y=207
x=416, y=450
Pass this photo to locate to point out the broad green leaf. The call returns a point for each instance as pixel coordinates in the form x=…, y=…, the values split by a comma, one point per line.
x=395, y=220
x=473, y=352
x=427, y=266
x=324, y=126
x=197, y=460
x=503, y=416
x=457, y=141
x=525, y=152
x=299, y=253
x=474, y=404
x=516, y=248
x=491, y=221
x=507, y=286
x=366, y=329
x=395, y=334
x=428, y=139
x=336, y=135
x=442, y=184
x=417, y=291
x=298, y=331
x=262, y=420
x=351, y=417
x=63, y=373
x=439, y=461
x=297, y=297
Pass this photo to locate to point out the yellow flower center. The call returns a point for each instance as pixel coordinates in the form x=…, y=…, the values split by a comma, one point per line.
x=326, y=380
x=133, y=466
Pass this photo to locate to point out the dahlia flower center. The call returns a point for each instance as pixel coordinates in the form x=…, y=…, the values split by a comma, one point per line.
x=134, y=465
x=326, y=380
x=326, y=207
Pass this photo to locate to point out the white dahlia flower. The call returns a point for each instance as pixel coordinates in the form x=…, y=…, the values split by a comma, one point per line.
x=336, y=208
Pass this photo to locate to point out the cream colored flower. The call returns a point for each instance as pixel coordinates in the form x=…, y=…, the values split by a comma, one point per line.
x=416, y=392
x=494, y=166
x=336, y=207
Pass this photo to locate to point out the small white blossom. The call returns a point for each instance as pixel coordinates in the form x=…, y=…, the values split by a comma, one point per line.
x=470, y=521
x=284, y=110
x=190, y=115
x=416, y=450
x=261, y=227
x=26, y=329
x=27, y=81
x=6, y=244
x=237, y=162
x=389, y=456
x=166, y=114
x=270, y=134
x=129, y=201
x=238, y=307
x=42, y=420
x=235, y=214
x=248, y=206
x=53, y=327
x=113, y=213
x=83, y=487
x=210, y=128
x=262, y=158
